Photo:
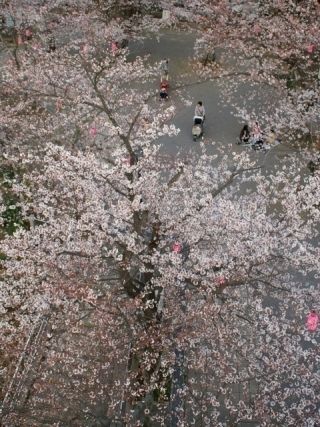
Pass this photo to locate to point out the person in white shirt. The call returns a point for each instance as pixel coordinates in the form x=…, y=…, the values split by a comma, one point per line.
x=199, y=110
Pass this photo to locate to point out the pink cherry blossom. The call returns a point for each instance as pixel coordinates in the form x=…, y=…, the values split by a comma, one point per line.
x=114, y=47
x=93, y=131
x=312, y=321
x=177, y=247
x=311, y=48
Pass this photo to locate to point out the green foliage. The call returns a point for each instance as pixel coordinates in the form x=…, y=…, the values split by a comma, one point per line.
x=12, y=214
x=13, y=218
x=7, y=176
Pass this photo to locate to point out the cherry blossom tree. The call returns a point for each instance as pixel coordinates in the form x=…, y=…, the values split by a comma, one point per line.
x=273, y=43
x=174, y=292
x=102, y=238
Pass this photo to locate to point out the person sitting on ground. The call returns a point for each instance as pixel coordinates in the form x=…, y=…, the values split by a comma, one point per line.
x=271, y=137
x=164, y=91
x=256, y=131
x=257, y=139
x=244, y=134
x=164, y=83
x=199, y=110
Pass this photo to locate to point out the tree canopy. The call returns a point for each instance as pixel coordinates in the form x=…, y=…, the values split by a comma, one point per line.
x=151, y=291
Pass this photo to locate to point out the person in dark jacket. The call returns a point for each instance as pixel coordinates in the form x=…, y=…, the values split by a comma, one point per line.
x=244, y=135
